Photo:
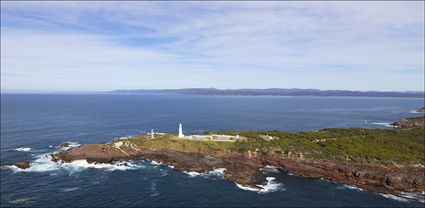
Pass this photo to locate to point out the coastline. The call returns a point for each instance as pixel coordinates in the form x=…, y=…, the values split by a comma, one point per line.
x=245, y=166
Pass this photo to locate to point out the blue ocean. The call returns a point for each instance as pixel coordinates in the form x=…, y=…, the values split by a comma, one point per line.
x=34, y=125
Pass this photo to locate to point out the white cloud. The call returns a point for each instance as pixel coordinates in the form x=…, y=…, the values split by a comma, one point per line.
x=206, y=41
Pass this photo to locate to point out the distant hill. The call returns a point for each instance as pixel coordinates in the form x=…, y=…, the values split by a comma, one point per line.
x=275, y=92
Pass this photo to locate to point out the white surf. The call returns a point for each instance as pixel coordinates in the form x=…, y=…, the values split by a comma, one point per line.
x=23, y=149
x=271, y=186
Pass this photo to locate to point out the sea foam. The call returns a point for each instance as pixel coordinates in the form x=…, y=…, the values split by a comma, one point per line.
x=390, y=196
x=71, y=145
x=414, y=195
x=350, y=187
x=416, y=111
x=386, y=124
x=271, y=186
x=192, y=173
x=216, y=172
x=23, y=149
x=77, y=165
x=405, y=196
x=270, y=169
x=44, y=163
x=153, y=162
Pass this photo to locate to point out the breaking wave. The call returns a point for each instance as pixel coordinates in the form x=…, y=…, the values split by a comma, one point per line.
x=23, y=149
x=386, y=124
x=270, y=169
x=405, y=196
x=192, y=173
x=415, y=196
x=350, y=187
x=77, y=165
x=214, y=173
x=44, y=163
x=271, y=186
x=390, y=196
x=153, y=162
x=71, y=145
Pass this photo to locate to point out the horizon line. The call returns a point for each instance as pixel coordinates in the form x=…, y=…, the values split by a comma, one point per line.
x=198, y=88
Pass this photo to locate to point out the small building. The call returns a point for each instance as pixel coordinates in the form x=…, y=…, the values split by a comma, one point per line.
x=212, y=137
x=224, y=137
x=201, y=137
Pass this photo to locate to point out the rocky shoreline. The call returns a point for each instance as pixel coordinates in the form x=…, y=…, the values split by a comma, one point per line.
x=411, y=122
x=245, y=169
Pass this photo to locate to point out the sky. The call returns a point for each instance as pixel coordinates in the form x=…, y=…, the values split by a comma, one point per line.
x=102, y=46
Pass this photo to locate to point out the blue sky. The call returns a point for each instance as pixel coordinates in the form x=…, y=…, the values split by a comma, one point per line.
x=98, y=46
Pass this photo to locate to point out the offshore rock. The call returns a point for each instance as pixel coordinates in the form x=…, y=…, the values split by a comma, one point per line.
x=21, y=165
x=66, y=144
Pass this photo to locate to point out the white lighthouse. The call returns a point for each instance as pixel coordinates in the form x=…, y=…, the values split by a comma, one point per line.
x=181, y=135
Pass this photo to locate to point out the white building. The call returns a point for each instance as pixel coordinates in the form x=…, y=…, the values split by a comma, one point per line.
x=209, y=137
x=181, y=135
x=201, y=137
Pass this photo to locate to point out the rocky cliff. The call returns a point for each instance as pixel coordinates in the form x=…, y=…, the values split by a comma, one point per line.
x=379, y=160
x=246, y=169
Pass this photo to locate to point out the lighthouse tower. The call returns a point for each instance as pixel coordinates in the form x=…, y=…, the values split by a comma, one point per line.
x=181, y=135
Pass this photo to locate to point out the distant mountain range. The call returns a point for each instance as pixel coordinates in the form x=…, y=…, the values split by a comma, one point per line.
x=275, y=92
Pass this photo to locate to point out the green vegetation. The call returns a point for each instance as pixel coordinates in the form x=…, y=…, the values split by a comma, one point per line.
x=377, y=146
x=171, y=142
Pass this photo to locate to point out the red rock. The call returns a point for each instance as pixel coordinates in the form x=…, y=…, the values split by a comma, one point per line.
x=22, y=165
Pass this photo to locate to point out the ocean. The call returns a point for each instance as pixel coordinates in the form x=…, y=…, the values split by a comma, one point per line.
x=34, y=125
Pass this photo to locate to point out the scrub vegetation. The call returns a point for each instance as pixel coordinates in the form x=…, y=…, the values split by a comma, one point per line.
x=401, y=146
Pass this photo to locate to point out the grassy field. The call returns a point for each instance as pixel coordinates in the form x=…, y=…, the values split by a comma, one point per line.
x=352, y=145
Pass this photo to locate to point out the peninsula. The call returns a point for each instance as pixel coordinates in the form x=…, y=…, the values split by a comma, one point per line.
x=379, y=160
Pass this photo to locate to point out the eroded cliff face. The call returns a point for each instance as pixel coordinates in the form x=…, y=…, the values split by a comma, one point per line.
x=245, y=169
x=370, y=177
x=238, y=167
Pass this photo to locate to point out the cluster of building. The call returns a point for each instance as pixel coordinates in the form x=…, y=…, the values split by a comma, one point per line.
x=212, y=137
x=209, y=137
